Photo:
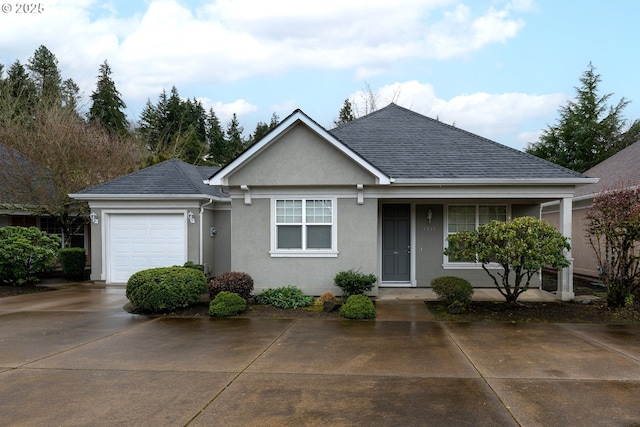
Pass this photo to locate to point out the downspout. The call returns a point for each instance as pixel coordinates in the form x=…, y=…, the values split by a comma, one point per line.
x=202, y=230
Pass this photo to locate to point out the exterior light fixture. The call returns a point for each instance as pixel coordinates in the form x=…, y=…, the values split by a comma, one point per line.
x=93, y=217
x=192, y=220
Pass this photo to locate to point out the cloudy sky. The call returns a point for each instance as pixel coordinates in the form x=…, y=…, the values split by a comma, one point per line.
x=498, y=68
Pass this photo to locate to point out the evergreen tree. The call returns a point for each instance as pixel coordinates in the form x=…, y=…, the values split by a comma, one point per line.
x=106, y=108
x=17, y=95
x=262, y=129
x=217, y=142
x=235, y=143
x=43, y=66
x=588, y=130
x=346, y=114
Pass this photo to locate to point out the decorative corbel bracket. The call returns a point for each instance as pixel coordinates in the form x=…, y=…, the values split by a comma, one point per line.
x=247, y=194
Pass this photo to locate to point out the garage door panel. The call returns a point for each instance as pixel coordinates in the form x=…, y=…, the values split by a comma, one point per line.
x=139, y=242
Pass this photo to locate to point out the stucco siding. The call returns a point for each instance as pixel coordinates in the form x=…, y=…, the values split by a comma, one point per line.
x=300, y=157
x=217, y=250
x=357, y=236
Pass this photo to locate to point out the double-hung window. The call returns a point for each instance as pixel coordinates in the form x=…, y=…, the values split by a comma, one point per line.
x=470, y=217
x=304, y=226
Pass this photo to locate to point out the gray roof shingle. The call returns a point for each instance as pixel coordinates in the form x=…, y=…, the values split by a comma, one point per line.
x=172, y=177
x=620, y=170
x=405, y=144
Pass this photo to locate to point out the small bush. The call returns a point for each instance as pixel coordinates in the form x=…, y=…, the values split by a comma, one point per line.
x=358, y=307
x=287, y=297
x=227, y=304
x=191, y=264
x=165, y=288
x=354, y=283
x=72, y=261
x=451, y=289
x=26, y=252
x=234, y=281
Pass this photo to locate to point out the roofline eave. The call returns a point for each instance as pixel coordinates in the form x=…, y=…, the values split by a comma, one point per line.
x=91, y=197
x=494, y=181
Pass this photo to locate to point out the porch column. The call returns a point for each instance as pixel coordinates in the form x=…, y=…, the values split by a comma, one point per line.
x=565, y=276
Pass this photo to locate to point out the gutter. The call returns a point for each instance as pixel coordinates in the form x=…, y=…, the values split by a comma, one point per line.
x=201, y=230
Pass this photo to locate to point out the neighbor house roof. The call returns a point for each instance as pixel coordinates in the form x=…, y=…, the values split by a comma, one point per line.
x=406, y=145
x=620, y=170
x=170, y=178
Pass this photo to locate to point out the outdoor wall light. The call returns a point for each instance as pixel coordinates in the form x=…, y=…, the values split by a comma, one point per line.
x=192, y=220
x=94, y=217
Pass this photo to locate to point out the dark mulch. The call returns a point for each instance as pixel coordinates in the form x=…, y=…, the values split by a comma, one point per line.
x=13, y=290
x=259, y=311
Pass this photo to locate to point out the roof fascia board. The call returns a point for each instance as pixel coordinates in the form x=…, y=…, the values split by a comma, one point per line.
x=495, y=181
x=221, y=177
x=148, y=197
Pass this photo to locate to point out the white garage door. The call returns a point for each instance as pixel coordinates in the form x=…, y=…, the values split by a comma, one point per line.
x=138, y=242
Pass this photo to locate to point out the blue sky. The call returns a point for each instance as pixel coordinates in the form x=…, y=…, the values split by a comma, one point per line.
x=500, y=69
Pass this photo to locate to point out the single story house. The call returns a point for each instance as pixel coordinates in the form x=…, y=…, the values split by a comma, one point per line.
x=379, y=194
x=20, y=198
x=621, y=170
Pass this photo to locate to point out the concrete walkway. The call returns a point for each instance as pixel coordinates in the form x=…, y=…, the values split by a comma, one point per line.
x=74, y=357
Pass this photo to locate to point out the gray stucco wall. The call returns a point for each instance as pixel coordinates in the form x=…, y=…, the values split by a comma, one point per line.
x=300, y=157
x=217, y=250
x=430, y=245
x=357, y=240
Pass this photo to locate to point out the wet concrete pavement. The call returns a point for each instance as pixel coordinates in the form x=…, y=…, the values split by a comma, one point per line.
x=74, y=357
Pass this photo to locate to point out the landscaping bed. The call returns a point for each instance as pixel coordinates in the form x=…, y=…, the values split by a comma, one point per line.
x=13, y=290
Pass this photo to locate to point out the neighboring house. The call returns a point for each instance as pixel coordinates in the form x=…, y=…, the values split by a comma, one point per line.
x=622, y=170
x=18, y=201
x=379, y=194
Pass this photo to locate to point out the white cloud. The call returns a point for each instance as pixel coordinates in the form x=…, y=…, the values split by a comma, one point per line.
x=493, y=116
x=169, y=43
x=224, y=112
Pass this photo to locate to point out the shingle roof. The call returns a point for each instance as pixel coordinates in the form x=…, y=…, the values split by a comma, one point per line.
x=408, y=145
x=172, y=177
x=621, y=169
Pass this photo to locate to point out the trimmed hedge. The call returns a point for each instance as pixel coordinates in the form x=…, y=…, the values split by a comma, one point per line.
x=233, y=281
x=165, y=288
x=354, y=283
x=358, y=307
x=451, y=289
x=72, y=261
x=227, y=304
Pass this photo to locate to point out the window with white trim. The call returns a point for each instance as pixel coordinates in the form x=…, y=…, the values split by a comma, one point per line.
x=304, y=226
x=470, y=217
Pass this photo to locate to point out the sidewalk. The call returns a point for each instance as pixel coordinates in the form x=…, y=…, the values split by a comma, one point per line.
x=73, y=357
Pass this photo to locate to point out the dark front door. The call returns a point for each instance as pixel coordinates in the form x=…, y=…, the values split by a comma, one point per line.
x=396, y=243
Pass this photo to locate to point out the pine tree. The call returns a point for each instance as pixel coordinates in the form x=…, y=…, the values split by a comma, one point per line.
x=216, y=138
x=588, y=130
x=234, y=138
x=107, y=105
x=346, y=114
x=17, y=95
x=43, y=66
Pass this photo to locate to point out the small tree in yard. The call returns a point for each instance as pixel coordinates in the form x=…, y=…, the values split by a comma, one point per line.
x=522, y=246
x=613, y=224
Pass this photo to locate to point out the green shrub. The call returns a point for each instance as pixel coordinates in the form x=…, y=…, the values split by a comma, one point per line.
x=165, y=288
x=354, y=283
x=26, y=252
x=286, y=297
x=72, y=261
x=227, y=304
x=234, y=281
x=191, y=264
x=451, y=289
x=358, y=307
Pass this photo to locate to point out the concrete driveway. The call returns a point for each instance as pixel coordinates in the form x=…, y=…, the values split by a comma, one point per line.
x=74, y=357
